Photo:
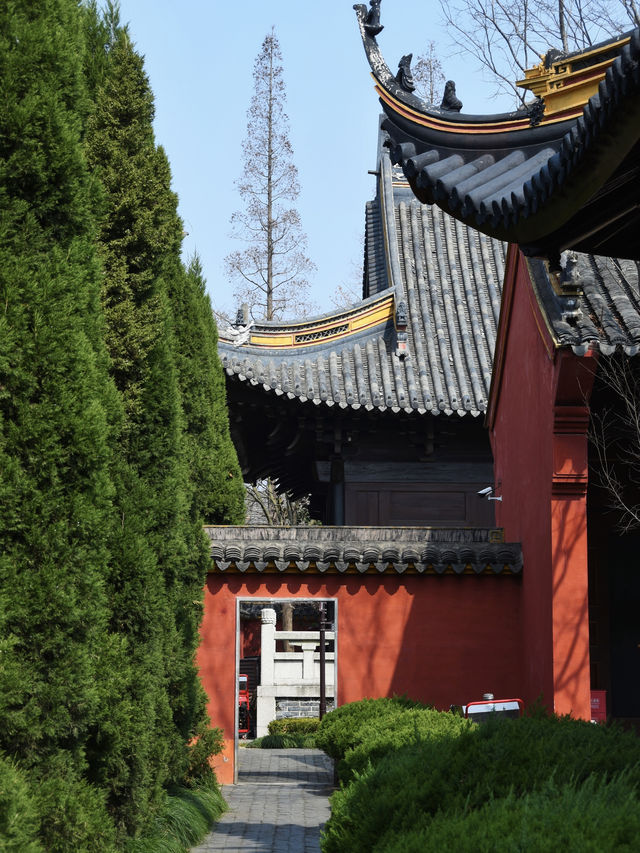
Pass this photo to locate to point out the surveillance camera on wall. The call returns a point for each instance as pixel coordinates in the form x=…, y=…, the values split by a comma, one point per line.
x=486, y=491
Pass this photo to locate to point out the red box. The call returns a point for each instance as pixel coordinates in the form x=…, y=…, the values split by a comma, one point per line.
x=599, y=706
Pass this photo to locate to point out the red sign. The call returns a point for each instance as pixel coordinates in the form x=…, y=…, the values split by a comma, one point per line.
x=599, y=706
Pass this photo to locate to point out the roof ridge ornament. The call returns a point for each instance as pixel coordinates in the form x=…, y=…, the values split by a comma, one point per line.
x=404, y=76
x=567, y=286
x=400, y=323
x=450, y=101
x=372, y=24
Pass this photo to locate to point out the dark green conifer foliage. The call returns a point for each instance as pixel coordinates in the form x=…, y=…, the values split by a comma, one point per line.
x=218, y=488
x=56, y=410
x=144, y=750
x=215, y=483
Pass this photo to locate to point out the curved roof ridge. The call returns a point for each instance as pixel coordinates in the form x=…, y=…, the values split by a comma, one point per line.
x=309, y=322
x=562, y=175
x=386, y=78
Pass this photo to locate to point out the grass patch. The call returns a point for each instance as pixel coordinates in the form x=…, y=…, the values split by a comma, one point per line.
x=189, y=816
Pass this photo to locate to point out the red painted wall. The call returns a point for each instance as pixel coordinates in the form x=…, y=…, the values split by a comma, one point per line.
x=538, y=434
x=441, y=639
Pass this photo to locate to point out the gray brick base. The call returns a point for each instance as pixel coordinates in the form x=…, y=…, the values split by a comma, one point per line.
x=286, y=708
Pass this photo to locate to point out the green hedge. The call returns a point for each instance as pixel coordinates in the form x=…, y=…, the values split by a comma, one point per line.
x=287, y=741
x=463, y=770
x=389, y=732
x=342, y=729
x=595, y=816
x=294, y=725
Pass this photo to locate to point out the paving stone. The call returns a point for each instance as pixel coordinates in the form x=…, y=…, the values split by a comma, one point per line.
x=279, y=805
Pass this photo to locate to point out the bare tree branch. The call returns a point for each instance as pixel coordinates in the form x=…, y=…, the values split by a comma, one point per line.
x=507, y=36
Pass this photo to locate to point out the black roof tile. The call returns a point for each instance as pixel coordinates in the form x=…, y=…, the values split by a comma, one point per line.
x=608, y=302
x=420, y=549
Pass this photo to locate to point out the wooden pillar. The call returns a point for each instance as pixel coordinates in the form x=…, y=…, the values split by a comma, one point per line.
x=570, y=586
x=337, y=491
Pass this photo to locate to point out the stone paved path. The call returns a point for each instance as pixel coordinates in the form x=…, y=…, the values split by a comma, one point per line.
x=278, y=806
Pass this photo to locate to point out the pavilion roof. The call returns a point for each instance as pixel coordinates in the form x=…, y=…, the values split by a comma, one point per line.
x=559, y=174
x=421, y=341
x=359, y=550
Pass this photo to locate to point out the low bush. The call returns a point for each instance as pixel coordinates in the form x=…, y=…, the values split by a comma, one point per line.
x=596, y=816
x=341, y=729
x=408, y=786
x=208, y=742
x=294, y=725
x=288, y=741
x=389, y=732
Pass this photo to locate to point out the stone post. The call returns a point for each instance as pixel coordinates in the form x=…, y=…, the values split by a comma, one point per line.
x=267, y=646
x=266, y=700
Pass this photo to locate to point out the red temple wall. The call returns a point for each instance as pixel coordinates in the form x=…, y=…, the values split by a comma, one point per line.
x=440, y=639
x=539, y=445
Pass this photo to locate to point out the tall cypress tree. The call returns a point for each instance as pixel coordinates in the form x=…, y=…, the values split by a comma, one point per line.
x=216, y=491
x=57, y=408
x=147, y=539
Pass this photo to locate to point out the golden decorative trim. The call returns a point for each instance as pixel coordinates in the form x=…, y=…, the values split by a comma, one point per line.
x=565, y=87
x=331, y=329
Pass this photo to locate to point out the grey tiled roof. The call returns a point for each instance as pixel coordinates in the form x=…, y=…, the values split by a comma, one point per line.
x=608, y=318
x=449, y=278
x=362, y=549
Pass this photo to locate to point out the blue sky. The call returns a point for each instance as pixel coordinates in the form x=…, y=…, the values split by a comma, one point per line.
x=199, y=57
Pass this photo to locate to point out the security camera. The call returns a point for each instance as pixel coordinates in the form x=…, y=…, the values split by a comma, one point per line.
x=487, y=493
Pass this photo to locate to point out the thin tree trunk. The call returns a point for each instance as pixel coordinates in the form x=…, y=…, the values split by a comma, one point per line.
x=270, y=194
x=287, y=623
x=563, y=29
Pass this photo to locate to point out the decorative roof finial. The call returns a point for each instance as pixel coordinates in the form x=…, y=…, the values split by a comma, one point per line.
x=450, y=100
x=372, y=24
x=404, y=76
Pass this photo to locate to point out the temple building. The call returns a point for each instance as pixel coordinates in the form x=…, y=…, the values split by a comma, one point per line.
x=441, y=424
x=559, y=182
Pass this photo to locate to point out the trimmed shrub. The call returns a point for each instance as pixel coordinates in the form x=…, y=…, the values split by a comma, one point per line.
x=294, y=725
x=341, y=729
x=73, y=812
x=596, y=816
x=207, y=743
x=287, y=741
x=451, y=774
x=387, y=733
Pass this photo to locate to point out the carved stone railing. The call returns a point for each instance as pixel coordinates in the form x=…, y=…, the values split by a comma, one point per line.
x=291, y=675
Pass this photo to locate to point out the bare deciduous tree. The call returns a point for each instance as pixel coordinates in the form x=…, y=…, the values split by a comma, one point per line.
x=615, y=437
x=506, y=37
x=428, y=75
x=270, y=273
x=266, y=504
